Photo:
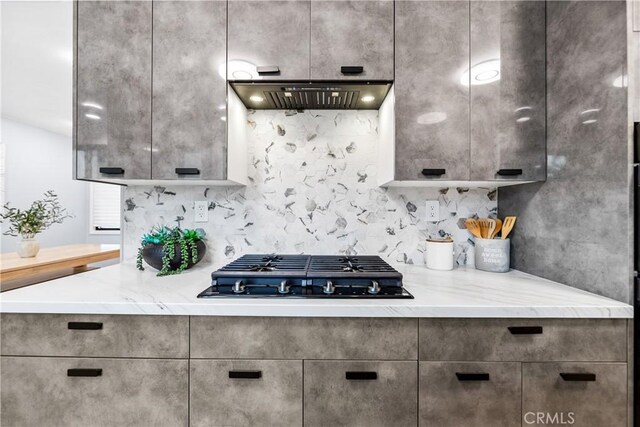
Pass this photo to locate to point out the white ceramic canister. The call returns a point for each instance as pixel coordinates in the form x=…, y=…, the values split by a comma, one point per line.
x=439, y=254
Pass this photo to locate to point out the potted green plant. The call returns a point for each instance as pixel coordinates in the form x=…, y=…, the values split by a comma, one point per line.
x=27, y=223
x=171, y=250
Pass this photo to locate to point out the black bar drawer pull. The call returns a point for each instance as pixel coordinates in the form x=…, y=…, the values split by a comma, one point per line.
x=83, y=372
x=361, y=375
x=268, y=70
x=510, y=172
x=188, y=171
x=472, y=377
x=112, y=171
x=85, y=326
x=248, y=375
x=525, y=330
x=352, y=69
x=578, y=376
x=433, y=172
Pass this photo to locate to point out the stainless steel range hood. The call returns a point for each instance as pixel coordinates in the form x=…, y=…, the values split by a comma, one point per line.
x=329, y=95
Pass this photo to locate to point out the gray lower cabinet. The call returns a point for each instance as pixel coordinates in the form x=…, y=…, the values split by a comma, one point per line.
x=246, y=392
x=348, y=33
x=508, y=84
x=39, y=391
x=360, y=393
x=189, y=95
x=268, y=34
x=113, y=90
x=470, y=394
x=431, y=102
x=582, y=394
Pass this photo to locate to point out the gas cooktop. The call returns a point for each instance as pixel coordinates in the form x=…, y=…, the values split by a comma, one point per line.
x=307, y=276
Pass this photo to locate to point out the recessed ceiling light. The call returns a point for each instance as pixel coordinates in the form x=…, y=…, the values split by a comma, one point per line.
x=92, y=105
x=368, y=98
x=523, y=119
x=92, y=116
x=482, y=73
x=256, y=98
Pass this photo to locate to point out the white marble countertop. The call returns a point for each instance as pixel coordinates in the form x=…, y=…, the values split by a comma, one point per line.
x=121, y=289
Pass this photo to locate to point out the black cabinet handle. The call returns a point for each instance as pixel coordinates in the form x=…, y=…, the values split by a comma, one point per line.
x=248, y=375
x=85, y=326
x=510, y=172
x=361, y=375
x=433, y=172
x=265, y=70
x=525, y=330
x=83, y=372
x=472, y=377
x=112, y=171
x=352, y=69
x=188, y=171
x=578, y=376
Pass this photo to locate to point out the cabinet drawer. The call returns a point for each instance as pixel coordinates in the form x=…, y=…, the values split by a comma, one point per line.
x=360, y=393
x=583, y=394
x=39, y=391
x=246, y=392
x=303, y=338
x=94, y=335
x=525, y=340
x=470, y=394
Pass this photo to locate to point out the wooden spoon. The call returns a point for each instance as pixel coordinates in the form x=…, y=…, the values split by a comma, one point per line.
x=509, y=222
x=485, y=226
x=497, y=229
x=473, y=227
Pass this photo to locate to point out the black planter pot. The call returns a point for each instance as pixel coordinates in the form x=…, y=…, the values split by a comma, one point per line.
x=152, y=254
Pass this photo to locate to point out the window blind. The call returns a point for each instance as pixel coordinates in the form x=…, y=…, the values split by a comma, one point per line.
x=105, y=207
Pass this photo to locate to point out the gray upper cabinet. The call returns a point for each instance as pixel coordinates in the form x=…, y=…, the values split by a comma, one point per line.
x=189, y=99
x=113, y=90
x=352, y=33
x=432, y=104
x=268, y=39
x=507, y=78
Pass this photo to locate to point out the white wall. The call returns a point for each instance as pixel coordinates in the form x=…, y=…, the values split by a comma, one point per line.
x=36, y=161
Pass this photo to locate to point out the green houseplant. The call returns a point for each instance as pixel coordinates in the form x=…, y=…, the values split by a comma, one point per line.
x=27, y=223
x=171, y=250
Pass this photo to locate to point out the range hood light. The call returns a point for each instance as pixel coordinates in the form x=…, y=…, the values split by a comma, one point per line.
x=335, y=94
x=288, y=94
x=368, y=98
x=256, y=98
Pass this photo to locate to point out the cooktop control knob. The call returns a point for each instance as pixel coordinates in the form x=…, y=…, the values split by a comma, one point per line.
x=283, y=288
x=238, y=287
x=374, y=288
x=329, y=288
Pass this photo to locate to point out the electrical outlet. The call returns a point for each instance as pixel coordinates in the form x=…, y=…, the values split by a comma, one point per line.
x=201, y=209
x=433, y=211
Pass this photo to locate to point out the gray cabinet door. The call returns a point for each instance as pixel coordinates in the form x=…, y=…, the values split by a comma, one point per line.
x=113, y=90
x=352, y=33
x=507, y=83
x=40, y=391
x=246, y=393
x=581, y=394
x=367, y=393
x=470, y=394
x=189, y=95
x=432, y=103
x=268, y=34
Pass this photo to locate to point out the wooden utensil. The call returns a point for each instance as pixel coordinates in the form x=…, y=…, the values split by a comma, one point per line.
x=485, y=225
x=497, y=229
x=473, y=227
x=509, y=222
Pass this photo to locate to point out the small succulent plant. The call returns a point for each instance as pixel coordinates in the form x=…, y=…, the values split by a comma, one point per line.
x=170, y=237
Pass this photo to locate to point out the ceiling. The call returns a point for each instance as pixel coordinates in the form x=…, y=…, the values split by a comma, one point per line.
x=36, y=54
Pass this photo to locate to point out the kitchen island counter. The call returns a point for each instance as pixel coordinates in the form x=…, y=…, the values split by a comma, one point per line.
x=463, y=292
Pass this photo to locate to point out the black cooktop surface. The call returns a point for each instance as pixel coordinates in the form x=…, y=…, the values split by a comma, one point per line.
x=307, y=276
